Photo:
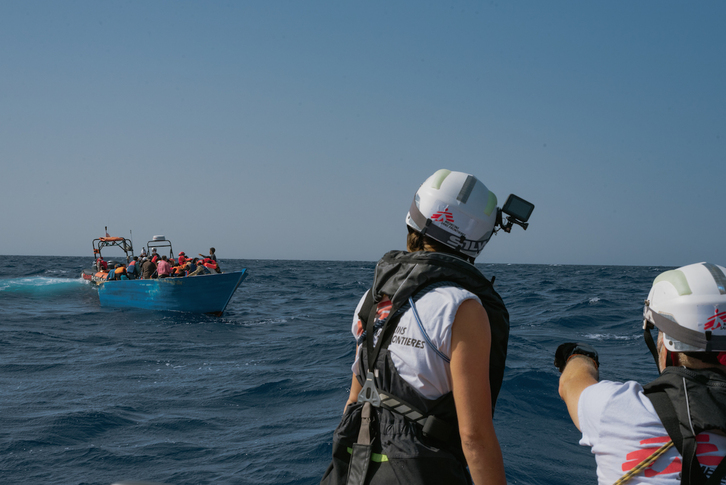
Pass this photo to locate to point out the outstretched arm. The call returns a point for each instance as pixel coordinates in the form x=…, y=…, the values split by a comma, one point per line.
x=579, y=366
x=470, y=347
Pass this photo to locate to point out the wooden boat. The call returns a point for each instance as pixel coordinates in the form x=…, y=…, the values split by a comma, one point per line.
x=208, y=293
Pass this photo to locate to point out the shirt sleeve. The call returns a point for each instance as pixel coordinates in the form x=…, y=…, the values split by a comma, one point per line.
x=590, y=408
x=357, y=329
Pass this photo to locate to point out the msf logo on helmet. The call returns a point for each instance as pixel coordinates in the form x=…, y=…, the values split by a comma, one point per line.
x=716, y=321
x=443, y=216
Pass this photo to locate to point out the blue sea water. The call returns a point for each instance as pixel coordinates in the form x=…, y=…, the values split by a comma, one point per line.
x=92, y=395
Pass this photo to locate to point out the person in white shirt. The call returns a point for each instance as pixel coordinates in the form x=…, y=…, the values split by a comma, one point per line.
x=672, y=430
x=431, y=338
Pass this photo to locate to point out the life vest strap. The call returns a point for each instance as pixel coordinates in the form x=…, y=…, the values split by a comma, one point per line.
x=686, y=445
x=369, y=394
x=360, y=456
x=433, y=427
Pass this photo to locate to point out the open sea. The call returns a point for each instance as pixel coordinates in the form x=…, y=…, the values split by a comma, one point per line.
x=92, y=395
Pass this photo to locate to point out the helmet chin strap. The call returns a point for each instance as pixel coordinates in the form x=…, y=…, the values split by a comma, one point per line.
x=648, y=337
x=652, y=346
x=426, y=227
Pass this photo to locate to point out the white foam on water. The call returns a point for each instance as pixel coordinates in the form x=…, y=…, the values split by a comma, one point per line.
x=40, y=283
x=610, y=336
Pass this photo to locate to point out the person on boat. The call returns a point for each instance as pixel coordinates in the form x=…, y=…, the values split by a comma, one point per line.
x=121, y=273
x=163, y=268
x=178, y=270
x=154, y=256
x=182, y=258
x=131, y=270
x=101, y=265
x=188, y=267
x=672, y=430
x=116, y=272
x=143, y=253
x=211, y=254
x=148, y=269
x=431, y=338
x=200, y=269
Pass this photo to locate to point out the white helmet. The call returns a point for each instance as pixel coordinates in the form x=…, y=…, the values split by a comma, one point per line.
x=688, y=305
x=455, y=209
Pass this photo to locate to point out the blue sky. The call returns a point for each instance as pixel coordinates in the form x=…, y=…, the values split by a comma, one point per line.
x=301, y=130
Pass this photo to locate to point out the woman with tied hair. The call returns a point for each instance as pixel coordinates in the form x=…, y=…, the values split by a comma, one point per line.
x=431, y=336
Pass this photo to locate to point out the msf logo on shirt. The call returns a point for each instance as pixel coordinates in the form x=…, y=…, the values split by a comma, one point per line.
x=716, y=321
x=707, y=454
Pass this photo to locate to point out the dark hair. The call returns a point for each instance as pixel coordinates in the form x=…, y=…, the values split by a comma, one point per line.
x=416, y=242
x=212, y=250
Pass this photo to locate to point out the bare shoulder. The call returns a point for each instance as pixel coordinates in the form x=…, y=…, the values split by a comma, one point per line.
x=471, y=313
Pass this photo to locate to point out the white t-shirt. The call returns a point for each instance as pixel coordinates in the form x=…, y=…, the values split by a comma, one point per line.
x=416, y=361
x=621, y=426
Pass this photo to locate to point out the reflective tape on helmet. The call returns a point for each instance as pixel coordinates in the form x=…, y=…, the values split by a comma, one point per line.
x=466, y=189
x=702, y=340
x=677, y=278
x=491, y=204
x=438, y=178
x=718, y=277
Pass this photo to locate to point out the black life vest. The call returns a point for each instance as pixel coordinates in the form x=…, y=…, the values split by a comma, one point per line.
x=688, y=402
x=413, y=440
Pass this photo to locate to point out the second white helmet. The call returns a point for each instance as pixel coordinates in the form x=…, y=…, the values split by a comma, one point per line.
x=455, y=209
x=688, y=305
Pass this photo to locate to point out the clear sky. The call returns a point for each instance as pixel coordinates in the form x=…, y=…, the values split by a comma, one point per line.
x=302, y=129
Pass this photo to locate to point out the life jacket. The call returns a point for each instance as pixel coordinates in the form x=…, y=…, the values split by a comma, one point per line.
x=398, y=435
x=210, y=263
x=688, y=402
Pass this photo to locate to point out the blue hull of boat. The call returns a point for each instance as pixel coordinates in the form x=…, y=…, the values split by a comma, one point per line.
x=198, y=294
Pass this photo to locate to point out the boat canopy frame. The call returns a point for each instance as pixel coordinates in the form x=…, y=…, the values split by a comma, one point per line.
x=157, y=243
x=120, y=242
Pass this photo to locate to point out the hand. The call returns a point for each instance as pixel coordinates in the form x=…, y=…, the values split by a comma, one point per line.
x=568, y=349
